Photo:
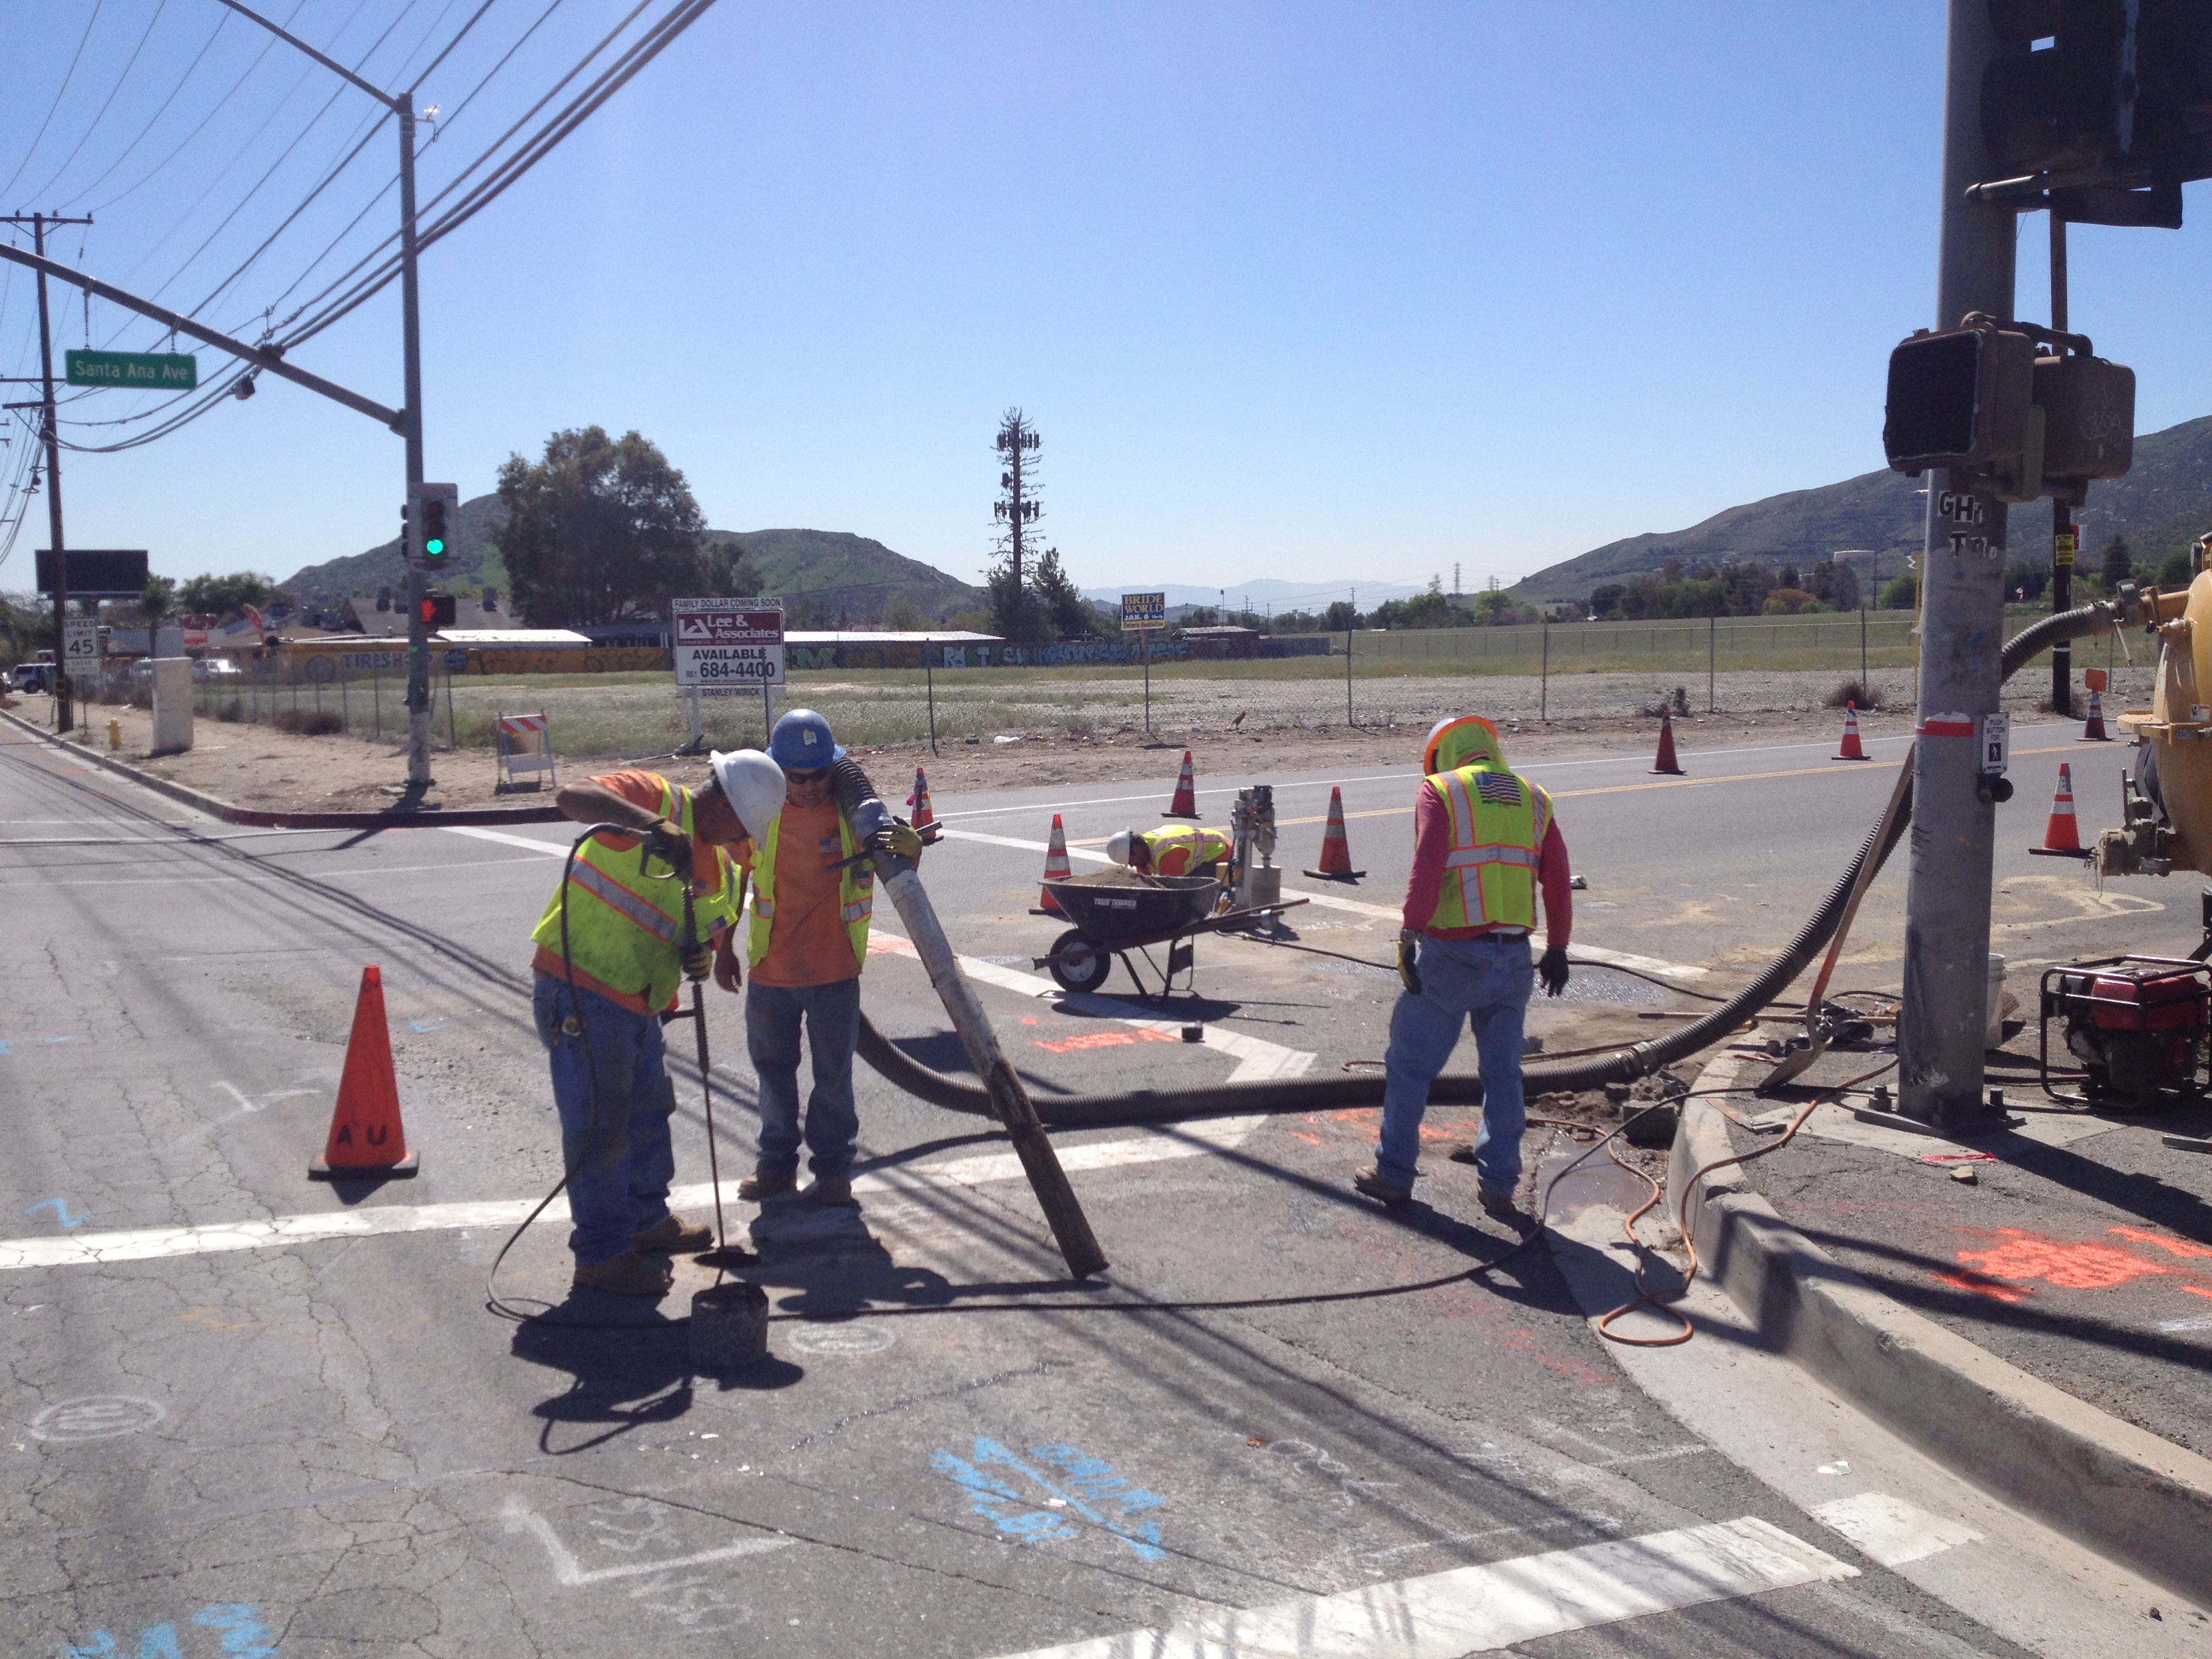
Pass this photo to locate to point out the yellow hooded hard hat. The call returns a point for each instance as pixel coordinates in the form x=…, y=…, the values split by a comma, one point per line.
x=1463, y=740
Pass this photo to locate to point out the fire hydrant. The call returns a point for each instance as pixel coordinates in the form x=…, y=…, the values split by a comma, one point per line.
x=114, y=732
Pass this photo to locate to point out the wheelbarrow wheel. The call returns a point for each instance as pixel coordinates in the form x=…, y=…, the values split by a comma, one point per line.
x=1078, y=964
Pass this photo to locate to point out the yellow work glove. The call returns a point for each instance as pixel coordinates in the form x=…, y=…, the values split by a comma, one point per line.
x=900, y=837
x=1408, y=972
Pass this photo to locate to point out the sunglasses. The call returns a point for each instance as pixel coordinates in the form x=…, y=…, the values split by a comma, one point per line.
x=814, y=774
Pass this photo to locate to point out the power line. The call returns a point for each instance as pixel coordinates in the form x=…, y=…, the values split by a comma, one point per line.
x=130, y=148
x=37, y=137
x=106, y=103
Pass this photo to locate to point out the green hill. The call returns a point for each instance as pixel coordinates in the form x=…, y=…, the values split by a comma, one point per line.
x=829, y=571
x=2164, y=504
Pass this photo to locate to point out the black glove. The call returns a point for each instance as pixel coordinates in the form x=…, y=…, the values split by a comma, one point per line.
x=1407, y=971
x=1552, y=969
x=665, y=841
x=698, y=961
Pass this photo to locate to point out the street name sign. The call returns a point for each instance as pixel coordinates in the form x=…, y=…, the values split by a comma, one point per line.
x=141, y=371
x=1144, y=610
x=728, y=642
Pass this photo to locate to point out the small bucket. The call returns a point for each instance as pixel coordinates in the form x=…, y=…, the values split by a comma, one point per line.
x=729, y=1327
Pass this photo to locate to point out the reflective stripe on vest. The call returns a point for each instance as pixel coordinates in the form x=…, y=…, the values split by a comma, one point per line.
x=856, y=893
x=1490, y=868
x=597, y=882
x=1199, y=846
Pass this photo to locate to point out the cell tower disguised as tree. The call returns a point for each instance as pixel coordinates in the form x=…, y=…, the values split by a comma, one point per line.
x=1015, y=610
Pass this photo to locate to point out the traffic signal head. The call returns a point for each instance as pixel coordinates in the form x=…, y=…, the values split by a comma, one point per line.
x=1958, y=397
x=431, y=510
x=437, y=610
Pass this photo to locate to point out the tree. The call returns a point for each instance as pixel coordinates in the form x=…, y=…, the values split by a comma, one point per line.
x=902, y=615
x=2175, y=571
x=2116, y=565
x=225, y=598
x=731, y=572
x=156, y=602
x=2024, y=582
x=600, y=531
x=1342, y=618
x=1057, y=595
x=1900, y=593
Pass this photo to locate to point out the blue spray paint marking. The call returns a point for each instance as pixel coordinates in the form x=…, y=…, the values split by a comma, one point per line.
x=5, y=1050
x=1085, y=1487
x=244, y=1637
x=426, y=1024
x=60, y=1208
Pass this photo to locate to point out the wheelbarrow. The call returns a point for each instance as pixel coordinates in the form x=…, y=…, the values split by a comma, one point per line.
x=1116, y=917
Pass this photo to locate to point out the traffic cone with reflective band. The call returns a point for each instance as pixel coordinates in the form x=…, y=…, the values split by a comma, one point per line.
x=1186, y=794
x=1336, y=845
x=1852, y=749
x=2062, y=837
x=1056, y=868
x=2093, y=732
x=367, y=1138
x=920, y=801
x=1666, y=762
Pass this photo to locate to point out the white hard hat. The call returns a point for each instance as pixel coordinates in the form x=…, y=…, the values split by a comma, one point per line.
x=753, y=785
x=1117, y=845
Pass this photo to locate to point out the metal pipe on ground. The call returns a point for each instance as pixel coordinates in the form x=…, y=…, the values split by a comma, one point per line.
x=1625, y=1065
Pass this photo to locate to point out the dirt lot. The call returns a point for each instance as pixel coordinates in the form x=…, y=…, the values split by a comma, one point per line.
x=256, y=766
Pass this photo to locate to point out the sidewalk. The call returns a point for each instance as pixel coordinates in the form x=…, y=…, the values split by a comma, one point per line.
x=2045, y=1328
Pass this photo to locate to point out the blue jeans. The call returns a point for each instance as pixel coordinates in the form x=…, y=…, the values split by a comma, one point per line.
x=1486, y=982
x=619, y=1170
x=832, y=1015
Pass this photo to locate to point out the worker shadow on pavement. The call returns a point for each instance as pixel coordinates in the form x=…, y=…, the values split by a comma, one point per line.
x=827, y=1263
x=627, y=1371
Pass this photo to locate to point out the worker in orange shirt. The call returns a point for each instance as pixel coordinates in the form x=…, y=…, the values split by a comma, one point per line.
x=1173, y=851
x=813, y=895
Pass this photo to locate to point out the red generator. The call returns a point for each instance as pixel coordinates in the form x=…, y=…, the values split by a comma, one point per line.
x=2136, y=1023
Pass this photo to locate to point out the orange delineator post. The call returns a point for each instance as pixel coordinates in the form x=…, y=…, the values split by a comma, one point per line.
x=1056, y=868
x=367, y=1137
x=2094, y=730
x=1666, y=762
x=1336, y=845
x=1852, y=749
x=2062, y=835
x=1186, y=794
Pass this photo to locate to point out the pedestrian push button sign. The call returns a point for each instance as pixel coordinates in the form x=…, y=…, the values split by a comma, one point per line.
x=728, y=642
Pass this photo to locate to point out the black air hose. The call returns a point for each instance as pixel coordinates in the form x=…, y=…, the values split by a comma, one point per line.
x=1636, y=1060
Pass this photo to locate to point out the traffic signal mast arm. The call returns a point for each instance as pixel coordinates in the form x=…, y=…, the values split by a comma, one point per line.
x=268, y=358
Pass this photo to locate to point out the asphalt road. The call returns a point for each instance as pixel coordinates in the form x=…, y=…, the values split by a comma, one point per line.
x=262, y=1415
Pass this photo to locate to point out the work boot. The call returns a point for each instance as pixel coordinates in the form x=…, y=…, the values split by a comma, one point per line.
x=762, y=1185
x=627, y=1274
x=1370, y=1181
x=673, y=1236
x=1498, y=1203
x=831, y=1190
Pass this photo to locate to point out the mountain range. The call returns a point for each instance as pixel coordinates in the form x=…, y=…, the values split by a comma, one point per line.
x=2162, y=505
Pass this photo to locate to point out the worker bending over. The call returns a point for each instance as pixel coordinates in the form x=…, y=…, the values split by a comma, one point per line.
x=1484, y=839
x=601, y=991
x=814, y=892
x=1178, y=852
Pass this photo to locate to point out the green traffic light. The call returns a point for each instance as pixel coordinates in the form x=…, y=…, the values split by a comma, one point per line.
x=434, y=547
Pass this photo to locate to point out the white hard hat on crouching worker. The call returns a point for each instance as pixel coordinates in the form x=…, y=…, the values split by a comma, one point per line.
x=1118, y=844
x=754, y=785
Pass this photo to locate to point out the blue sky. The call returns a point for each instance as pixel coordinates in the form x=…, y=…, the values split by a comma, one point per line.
x=1317, y=292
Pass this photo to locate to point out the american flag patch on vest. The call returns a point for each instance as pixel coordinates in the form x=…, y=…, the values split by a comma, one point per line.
x=1499, y=788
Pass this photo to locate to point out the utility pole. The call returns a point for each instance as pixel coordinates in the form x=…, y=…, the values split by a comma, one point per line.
x=2063, y=538
x=1940, y=1026
x=411, y=431
x=51, y=433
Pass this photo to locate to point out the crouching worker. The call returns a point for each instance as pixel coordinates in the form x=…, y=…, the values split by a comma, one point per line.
x=1176, y=852
x=605, y=977
x=1484, y=841
x=814, y=892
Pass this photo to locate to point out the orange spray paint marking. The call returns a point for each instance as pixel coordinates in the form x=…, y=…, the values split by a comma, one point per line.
x=1105, y=1040
x=1980, y=1285
x=2178, y=1246
x=2024, y=1256
x=1316, y=1140
x=2197, y=1290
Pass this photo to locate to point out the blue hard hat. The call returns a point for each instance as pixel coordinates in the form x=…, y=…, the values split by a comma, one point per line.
x=802, y=742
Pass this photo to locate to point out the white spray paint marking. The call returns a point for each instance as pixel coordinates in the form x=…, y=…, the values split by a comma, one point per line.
x=520, y=1517
x=1465, y=1610
x=2194, y=1322
x=1258, y=1061
x=1890, y=1530
x=151, y=1244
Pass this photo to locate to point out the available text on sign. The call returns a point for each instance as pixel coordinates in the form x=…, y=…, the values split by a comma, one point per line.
x=737, y=643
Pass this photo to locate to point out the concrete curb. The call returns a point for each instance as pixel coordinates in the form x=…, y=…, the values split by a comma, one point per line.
x=253, y=817
x=2121, y=1490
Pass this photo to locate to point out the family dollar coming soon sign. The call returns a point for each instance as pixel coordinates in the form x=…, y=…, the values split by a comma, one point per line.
x=149, y=371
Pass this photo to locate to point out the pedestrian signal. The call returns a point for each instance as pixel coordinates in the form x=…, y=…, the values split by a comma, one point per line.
x=437, y=610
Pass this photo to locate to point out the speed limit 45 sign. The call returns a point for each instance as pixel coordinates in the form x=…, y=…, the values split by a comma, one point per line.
x=80, y=643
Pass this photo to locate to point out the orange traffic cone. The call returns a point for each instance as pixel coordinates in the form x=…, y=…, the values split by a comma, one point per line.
x=1666, y=762
x=2094, y=730
x=920, y=801
x=1335, y=845
x=367, y=1138
x=1186, y=795
x=1056, y=868
x=1852, y=750
x=2062, y=837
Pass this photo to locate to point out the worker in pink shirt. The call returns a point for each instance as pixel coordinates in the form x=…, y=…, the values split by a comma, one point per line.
x=1484, y=841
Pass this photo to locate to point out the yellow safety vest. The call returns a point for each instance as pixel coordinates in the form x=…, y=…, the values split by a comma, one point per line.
x=624, y=925
x=856, y=892
x=1205, y=846
x=1498, y=822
